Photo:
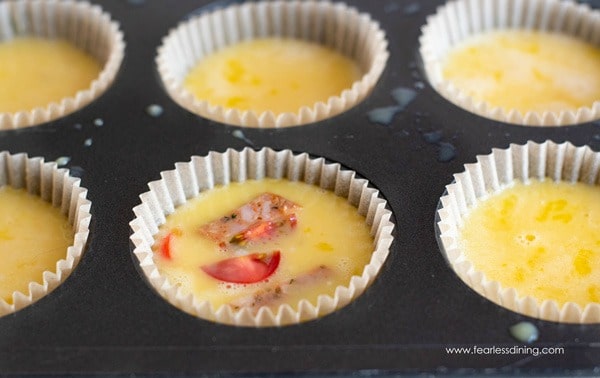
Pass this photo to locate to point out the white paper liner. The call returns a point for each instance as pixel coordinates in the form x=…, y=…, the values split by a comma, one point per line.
x=86, y=26
x=492, y=173
x=458, y=20
x=203, y=173
x=55, y=186
x=334, y=25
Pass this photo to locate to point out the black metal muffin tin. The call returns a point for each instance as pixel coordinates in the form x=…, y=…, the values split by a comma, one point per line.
x=106, y=319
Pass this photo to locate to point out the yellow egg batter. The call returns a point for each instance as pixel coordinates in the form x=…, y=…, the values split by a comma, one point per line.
x=526, y=70
x=280, y=75
x=329, y=233
x=35, y=72
x=34, y=236
x=542, y=239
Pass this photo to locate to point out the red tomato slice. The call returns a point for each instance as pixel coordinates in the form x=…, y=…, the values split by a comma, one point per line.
x=244, y=269
x=165, y=243
x=165, y=246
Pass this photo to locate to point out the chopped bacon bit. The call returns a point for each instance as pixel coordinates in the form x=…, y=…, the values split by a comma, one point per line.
x=273, y=293
x=256, y=231
x=293, y=220
x=254, y=220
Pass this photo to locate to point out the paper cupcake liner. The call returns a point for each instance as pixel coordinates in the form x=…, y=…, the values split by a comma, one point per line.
x=86, y=26
x=334, y=25
x=55, y=186
x=203, y=173
x=458, y=20
x=492, y=173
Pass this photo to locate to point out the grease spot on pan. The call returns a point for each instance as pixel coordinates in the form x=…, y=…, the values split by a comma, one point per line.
x=433, y=136
x=383, y=116
x=403, y=96
x=391, y=7
x=76, y=171
x=411, y=9
x=447, y=152
x=154, y=110
x=240, y=135
x=63, y=160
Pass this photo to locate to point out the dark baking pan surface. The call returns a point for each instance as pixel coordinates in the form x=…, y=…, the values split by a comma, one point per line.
x=106, y=319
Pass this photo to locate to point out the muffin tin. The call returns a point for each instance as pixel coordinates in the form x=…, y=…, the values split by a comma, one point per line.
x=105, y=318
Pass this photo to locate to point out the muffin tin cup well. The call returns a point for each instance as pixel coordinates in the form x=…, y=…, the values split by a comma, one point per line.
x=106, y=319
x=55, y=186
x=492, y=173
x=334, y=25
x=86, y=26
x=461, y=19
x=204, y=173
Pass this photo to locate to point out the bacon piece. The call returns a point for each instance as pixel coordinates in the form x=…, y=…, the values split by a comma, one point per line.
x=257, y=219
x=256, y=231
x=274, y=293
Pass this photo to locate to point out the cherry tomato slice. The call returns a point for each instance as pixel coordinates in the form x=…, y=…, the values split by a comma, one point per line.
x=251, y=268
x=165, y=246
x=165, y=243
